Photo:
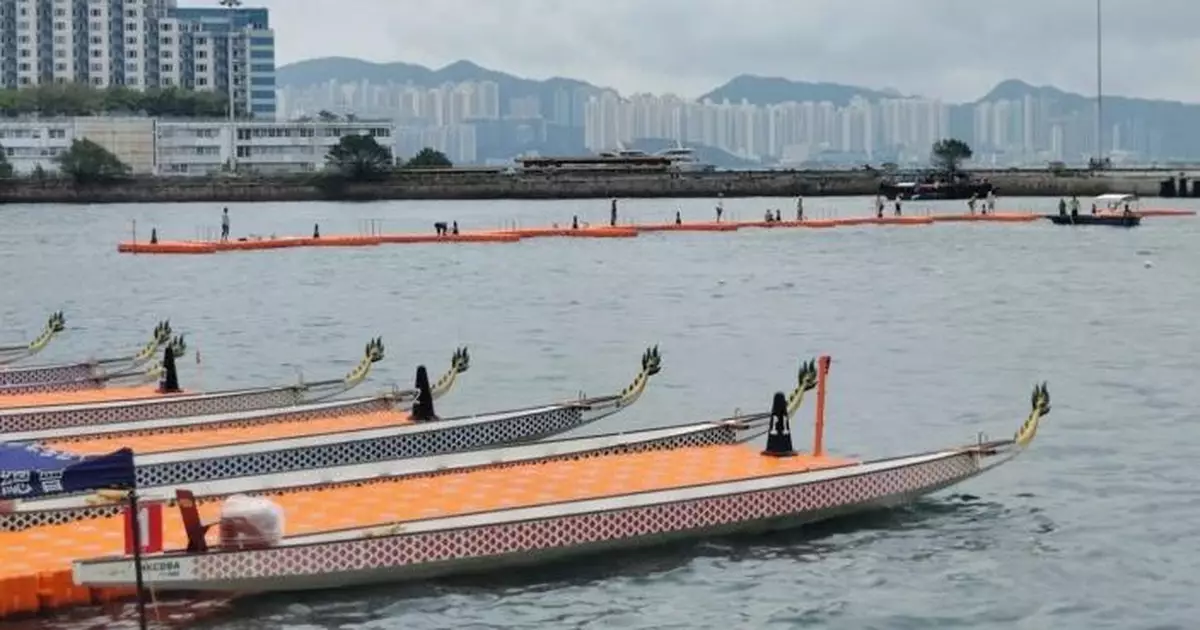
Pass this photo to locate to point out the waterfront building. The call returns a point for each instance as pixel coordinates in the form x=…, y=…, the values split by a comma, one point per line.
x=140, y=44
x=186, y=147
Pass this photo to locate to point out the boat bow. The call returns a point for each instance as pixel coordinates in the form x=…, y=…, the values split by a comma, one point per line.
x=321, y=390
x=651, y=365
x=460, y=362
x=160, y=337
x=55, y=325
x=996, y=452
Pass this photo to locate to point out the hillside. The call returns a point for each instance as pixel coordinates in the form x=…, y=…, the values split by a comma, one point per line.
x=1156, y=127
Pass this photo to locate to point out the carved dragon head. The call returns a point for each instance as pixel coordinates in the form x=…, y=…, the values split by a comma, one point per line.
x=806, y=380
x=57, y=323
x=461, y=361
x=651, y=361
x=162, y=332
x=374, y=350
x=651, y=365
x=178, y=346
x=1039, y=403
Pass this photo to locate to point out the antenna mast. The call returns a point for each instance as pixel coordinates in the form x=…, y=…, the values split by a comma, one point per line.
x=1099, y=90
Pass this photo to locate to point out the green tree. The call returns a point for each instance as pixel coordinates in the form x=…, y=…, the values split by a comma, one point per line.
x=89, y=163
x=359, y=158
x=69, y=99
x=6, y=167
x=429, y=158
x=948, y=154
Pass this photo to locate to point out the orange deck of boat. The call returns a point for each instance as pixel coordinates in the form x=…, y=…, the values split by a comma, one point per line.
x=200, y=436
x=106, y=394
x=43, y=555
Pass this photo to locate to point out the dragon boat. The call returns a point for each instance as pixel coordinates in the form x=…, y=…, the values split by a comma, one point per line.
x=174, y=405
x=54, y=325
x=496, y=508
x=279, y=464
x=94, y=374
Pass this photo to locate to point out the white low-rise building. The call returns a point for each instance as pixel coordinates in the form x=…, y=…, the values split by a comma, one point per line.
x=29, y=144
x=186, y=147
x=191, y=147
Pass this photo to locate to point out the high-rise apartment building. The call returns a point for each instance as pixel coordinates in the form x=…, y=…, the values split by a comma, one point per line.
x=140, y=44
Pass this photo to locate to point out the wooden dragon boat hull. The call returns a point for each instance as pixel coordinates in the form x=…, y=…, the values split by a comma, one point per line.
x=88, y=374
x=581, y=505
x=271, y=465
x=24, y=419
x=514, y=538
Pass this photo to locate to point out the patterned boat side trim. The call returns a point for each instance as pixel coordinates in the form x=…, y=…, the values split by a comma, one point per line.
x=711, y=436
x=421, y=552
x=34, y=375
x=57, y=417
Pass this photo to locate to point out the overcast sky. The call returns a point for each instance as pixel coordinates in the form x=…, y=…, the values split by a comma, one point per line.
x=953, y=49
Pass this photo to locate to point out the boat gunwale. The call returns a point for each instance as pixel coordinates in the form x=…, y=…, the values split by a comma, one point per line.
x=320, y=439
x=8, y=412
x=113, y=429
x=426, y=466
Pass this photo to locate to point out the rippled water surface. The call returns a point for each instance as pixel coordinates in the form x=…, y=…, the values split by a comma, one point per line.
x=937, y=333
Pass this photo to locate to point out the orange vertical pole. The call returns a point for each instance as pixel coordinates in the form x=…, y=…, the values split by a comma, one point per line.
x=819, y=425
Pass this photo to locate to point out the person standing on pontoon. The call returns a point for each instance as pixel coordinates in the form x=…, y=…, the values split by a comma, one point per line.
x=971, y=203
x=878, y=207
x=799, y=208
x=991, y=202
x=720, y=206
x=897, y=206
x=678, y=218
x=1074, y=206
x=225, y=225
x=612, y=215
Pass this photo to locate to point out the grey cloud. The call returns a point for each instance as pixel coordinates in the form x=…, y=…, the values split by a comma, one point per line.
x=954, y=49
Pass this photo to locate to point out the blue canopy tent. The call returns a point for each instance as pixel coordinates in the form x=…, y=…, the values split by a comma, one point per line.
x=29, y=471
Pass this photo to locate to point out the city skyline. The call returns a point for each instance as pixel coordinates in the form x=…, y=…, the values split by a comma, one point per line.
x=934, y=49
x=1004, y=131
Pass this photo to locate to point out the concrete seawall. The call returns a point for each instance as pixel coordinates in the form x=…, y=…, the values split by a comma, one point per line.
x=468, y=184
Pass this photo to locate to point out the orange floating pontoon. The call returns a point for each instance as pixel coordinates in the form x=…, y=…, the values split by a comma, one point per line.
x=464, y=237
x=341, y=241
x=255, y=244
x=806, y=223
x=604, y=232
x=583, y=232
x=704, y=226
x=1166, y=212
x=1001, y=217
x=166, y=247
x=893, y=220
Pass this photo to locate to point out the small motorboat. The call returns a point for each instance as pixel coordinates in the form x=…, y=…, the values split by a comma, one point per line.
x=1117, y=210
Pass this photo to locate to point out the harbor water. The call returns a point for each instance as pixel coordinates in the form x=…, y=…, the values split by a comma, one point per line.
x=937, y=333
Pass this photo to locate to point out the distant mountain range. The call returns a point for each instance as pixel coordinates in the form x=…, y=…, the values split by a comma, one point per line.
x=1166, y=128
